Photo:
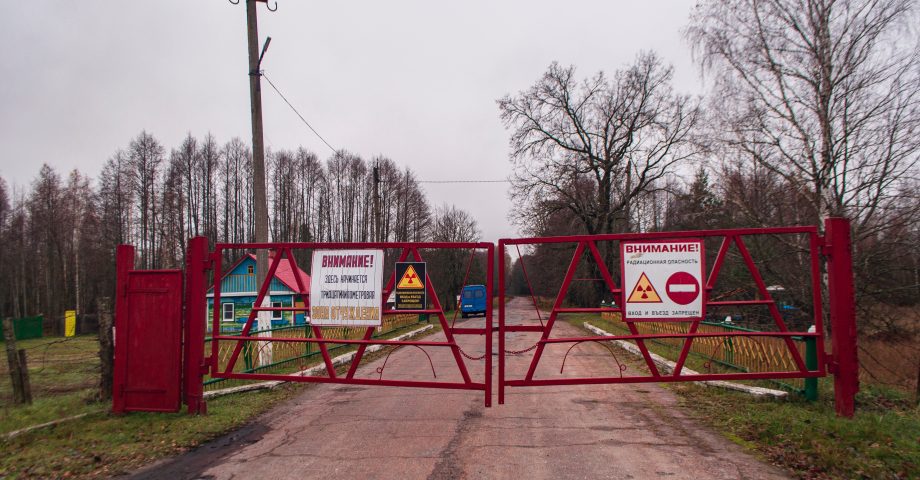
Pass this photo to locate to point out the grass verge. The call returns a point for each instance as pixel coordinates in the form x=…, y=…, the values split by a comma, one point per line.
x=63, y=372
x=807, y=438
x=100, y=444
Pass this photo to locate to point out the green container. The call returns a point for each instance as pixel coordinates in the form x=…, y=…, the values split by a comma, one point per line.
x=811, y=363
x=29, y=327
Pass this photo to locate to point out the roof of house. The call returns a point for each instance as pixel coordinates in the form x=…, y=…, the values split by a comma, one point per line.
x=285, y=273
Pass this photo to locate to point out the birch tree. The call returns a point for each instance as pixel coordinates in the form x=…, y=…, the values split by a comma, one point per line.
x=822, y=93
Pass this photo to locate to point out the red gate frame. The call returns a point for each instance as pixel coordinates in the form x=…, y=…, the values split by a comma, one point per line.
x=834, y=246
x=199, y=261
x=151, y=398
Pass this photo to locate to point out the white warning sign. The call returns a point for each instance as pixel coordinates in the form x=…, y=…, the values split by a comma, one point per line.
x=345, y=288
x=663, y=280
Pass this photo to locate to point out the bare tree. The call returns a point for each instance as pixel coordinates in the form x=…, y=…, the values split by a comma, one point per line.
x=172, y=214
x=116, y=197
x=349, y=194
x=7, y=282
x=282, y=179
x=17, y=245
x=591, y=147
x=4, y=204
x=146, y=154
x=389, y=177
x=79, y=199
x=311, y=176
x=451, y=224
x=413, y=217
x=209, y=155
x=236, y=193
x=821, y=92
x=46, y=214
x=185, y=160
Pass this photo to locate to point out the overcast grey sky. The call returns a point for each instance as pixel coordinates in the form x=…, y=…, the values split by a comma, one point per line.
x=413, y=80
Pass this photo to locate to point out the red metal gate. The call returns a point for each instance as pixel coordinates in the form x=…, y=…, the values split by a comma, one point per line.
x=833, y=248
x=149, y=320
x=197, y=365
x=148, y=335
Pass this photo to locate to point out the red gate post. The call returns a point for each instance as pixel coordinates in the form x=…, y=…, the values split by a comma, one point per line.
x=501, y=322
x=124, y=263
x=196, y=312
x=844, y=363
x=490, y=280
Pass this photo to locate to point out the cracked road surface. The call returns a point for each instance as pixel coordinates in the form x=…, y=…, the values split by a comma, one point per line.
x=628, y=431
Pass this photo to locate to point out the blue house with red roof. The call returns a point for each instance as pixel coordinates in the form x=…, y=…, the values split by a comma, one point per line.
x=239, y=288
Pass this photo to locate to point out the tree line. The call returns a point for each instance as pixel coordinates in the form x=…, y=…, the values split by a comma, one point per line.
x=813, y=110
x=59, y=234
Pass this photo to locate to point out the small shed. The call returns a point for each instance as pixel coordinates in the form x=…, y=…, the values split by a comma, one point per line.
x=239, y=288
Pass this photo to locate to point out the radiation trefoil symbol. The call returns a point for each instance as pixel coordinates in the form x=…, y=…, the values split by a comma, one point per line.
x=410, y=279
x=644, y=292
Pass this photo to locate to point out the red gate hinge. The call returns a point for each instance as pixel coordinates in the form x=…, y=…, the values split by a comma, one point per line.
x=824, y=248
x=832, y=365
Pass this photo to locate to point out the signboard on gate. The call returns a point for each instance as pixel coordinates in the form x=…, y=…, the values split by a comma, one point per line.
x=663, y=280
x=411, y=291
x=345, y=288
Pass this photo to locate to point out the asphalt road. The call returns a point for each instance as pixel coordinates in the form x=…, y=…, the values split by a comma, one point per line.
x=571, y=432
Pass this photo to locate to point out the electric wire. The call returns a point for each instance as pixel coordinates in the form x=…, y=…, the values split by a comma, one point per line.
x=335, y=150
x=463, y=181
x=304, y=120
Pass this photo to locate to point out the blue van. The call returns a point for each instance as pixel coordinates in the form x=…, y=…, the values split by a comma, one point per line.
x=473, y=301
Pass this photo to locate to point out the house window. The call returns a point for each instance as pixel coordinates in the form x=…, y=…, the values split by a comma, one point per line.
x=228, y=311
x=250, y=269
x=276, y=314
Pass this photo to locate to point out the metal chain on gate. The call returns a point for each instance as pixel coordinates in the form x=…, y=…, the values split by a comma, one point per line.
x=469, y=356
x=518, y=352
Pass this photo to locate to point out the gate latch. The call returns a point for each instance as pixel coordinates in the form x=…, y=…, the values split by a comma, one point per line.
x=208, y=264
x=205, y=367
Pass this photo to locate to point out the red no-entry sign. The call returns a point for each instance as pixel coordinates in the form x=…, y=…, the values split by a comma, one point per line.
x=682, y=288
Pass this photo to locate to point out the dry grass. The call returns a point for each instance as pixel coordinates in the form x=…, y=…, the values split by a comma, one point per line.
x=891, y=362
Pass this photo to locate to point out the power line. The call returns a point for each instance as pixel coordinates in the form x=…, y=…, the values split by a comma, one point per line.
x=335, y=150
x=304, y=120
x=463, y=181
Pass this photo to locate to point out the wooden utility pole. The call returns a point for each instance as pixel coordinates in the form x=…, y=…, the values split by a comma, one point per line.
x=24, y=375
x=917, y=393
x=377, y=236
x=106, y=348
x=260, y=205
x=22, y=392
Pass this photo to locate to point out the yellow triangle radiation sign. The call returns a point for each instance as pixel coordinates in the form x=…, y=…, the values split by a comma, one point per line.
x=410, y=279
x=644, y=292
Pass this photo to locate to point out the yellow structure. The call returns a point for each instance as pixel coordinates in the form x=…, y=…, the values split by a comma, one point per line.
x=70, y=323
